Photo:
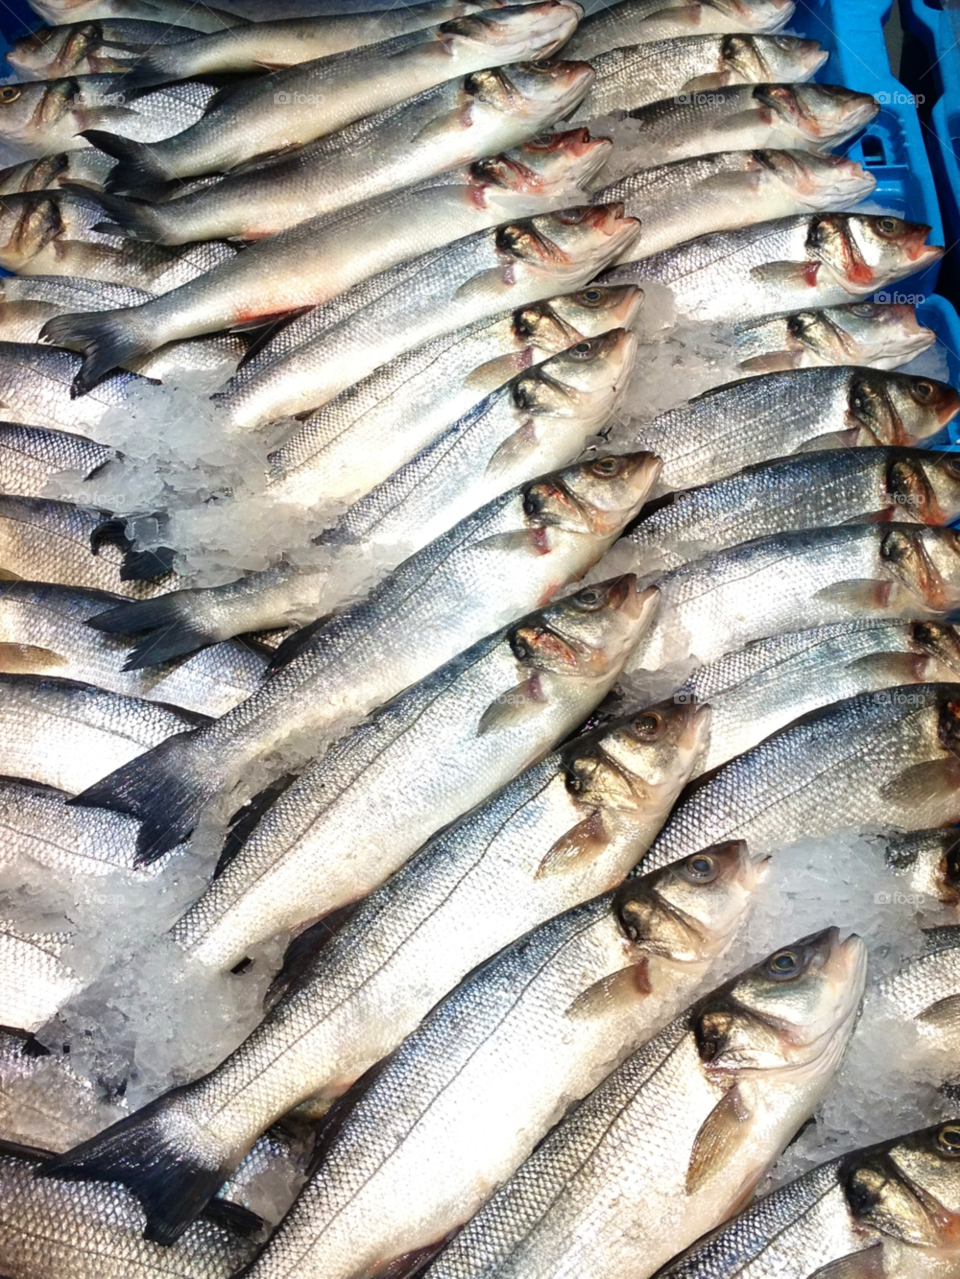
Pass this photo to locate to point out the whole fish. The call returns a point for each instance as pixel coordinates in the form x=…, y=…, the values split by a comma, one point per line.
x=636, y=75
x=44, y=631
x=86, y=168
x=536, y=423
x=929, y=860
x=675, y=1138
x=532, y=1030
x=881, y=335
x=57, y=1229
x=36, y=980
x=444, y=745
x=762, y=688
x=472, y=278
x=176, y=13
x=455, y=123
x=795, y=581
x=97, y=47
x=927, y=991
x=784, y=265
x=759, y=418
x=43, y=540
x=880, y=759
x=31, y=458
x=634, y=21
x=733, y=189
x=811, y=490
x=53, y=233
x=68, y=735
x=885, y=1210
x=372, y=428
x=514, y=553
x=289, y=107
x=793, y=117
x=587, y=986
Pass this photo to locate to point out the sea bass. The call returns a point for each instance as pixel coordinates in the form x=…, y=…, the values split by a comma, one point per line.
x=784, y=265
x=635, y=21
x=36, y=980
x=927, y=991
x=86, y=168
x=177, y=13
x=514, y=553
x=929, y=860
x=674, y=1139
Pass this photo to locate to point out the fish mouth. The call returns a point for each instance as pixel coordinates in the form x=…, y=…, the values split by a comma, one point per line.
x=627, y=310
x=696, y=732
x=812, y=55
x=950, y=404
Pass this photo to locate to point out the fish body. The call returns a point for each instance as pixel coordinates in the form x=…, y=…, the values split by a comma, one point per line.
x=87, y=168
x=96, y=47
x=176, y=13
x=929, y=861
x=31, y=458
x=927, y=991
x=785, y=265
x=373, y=428
x=44, y=631
x=733, y=189
x=637, y=75
x=634, y=21
x=670, y=1142
x=36, y=980
x=900, y=745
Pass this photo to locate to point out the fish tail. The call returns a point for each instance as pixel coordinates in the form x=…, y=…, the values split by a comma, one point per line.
x=137, y=163
x=166, y=788
x=170, y=628
x=106, y=339
x=138, y=218
x=151, y=1153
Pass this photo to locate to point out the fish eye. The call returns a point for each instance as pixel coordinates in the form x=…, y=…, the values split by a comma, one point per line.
x=701, y=868
x=605, y=466
x=922, y=390
x=10, y=93
x=952, y=466
x=948, y=1140
x=591, y=296
x=591, y=597
x=648, y=725
x=541, y=64
x=582, y=350
x=888, y=226
x=783, y=965
x=866, y=310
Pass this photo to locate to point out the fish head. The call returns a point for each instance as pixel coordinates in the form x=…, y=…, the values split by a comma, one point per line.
x=883, y=333
x=926, y=561
x=36, y=175
x=866, y=251
x=756, y=59
x=565, y=384
x=588, y=312
x=588, y=634
x=563, y=163
x=793, y=1012
x=512, y=34
x=27, y=110
x=895, y=408
x=28, y=223
x=909, y=1190
x=823, y=114
x=595, y=498
x=53, y=51
x=579, y=239
x=689, y=911
x=923, y=486
x=543, y=91
x=814, y=178
x=755, y=15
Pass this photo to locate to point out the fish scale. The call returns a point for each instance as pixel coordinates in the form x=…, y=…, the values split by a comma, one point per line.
x=36, y=384
x=36, y=981
x=632, y=21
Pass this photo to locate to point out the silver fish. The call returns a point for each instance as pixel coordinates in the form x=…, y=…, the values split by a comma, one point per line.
x=795, y=581
x=887, y=758
x=767, y=685
x=56, y=1229
x=455, y=123
x=87, y=168
x=373, y=428
x=31, y=458
x=36, y=980
x=733, y=189
x=289, y=107
x=533, y=1029
x=880, y=335
x=798, y=117
x=44, y=631
x=927, y=991
x=635, y=21
x=784, y=265
x=68, y=735
x=929, y=860
x=272, y=1175
x=885, y=1210
x=640, y=74
x=95, y=47
x=177, y=13
x=812, y=490
x=675, y=1138
x=443, y=745
x=512, y=554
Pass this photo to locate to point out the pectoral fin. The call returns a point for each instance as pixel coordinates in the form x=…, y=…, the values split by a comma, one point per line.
x=724, y=1132
x=28, y=659
x=920, y=784
x=497, y=281
x=786, y=274
x=514, y=450
x=944, y=1015
x=517, y=706
x=584, y=842
x=859, y=596
x=620, y=989
x=858, y=1265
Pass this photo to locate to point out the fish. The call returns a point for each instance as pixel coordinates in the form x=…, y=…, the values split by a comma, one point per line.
x=382, y=317
x=37, y=982
x=784, y=265
x=176, y=13
x=533, y=1029
x=495, y=565
x=899, y=744
x=731, y=190
x=456, y=123
x=54, y=233
x=85, y=168
x=43, y=540
x=538, y=422
x=380, y=423
x=926, y=990
x=36, y=384
x=586, y=986
x=96, y=47
x=44, y=631
x=685, y=67
x=269, y=1179
x=793, y=117
x=753, y=420
x=809, y=490
x=58, y=1229
x=634, y=21
x=885, y=1210
x=68, y=735
x=31, y=458
x=929, y=860
x=325, y=94
x=880, y=335
x=443, y=745
x=674, y=1139
x=795, y=581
